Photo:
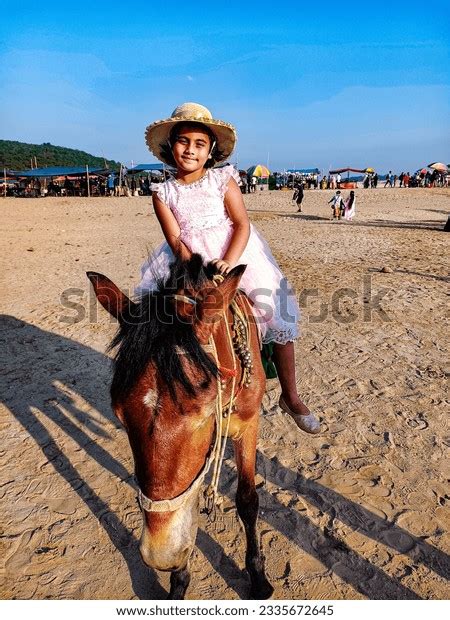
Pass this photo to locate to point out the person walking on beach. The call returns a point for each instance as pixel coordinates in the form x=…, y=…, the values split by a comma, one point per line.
x=337, y=205
x=375, y=180
x=110, y=183
x=350, y=207
x=201, y=210
x=388, y=179
x=298, y=196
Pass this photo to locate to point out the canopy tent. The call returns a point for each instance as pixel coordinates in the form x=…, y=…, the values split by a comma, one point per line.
x=56, y=171
x=147, y=168
x=340, y=170
x=259, y=171
x=304, y=170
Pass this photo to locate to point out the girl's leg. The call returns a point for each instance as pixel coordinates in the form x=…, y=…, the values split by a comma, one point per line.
x=284, y=359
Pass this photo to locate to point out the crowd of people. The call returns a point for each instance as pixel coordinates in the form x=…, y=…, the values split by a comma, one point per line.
x=248, y=184
x=113, y=184
x=124, y=184
x=421, y=178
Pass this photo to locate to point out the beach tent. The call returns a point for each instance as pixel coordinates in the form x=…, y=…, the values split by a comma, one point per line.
x=304, y=171
x=341, y=170
x=147, y=168
x=56, y=171
x=348, y=185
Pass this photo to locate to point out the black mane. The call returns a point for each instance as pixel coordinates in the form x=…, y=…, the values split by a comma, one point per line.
x=150, y=330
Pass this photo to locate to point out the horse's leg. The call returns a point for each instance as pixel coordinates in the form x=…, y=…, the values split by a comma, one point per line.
x=247, y=507
x=179, y=581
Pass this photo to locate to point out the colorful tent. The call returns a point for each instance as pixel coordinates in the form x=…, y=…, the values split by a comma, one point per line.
x=259, y=171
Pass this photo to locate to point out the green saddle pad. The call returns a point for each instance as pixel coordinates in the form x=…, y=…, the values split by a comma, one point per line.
x=266, y=358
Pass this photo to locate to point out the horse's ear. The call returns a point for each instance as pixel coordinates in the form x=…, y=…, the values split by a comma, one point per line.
x=216, y=299
x=107, y=293
x=230, y=284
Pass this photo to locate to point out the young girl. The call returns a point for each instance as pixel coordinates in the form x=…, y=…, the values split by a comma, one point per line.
x=201, y=210
x=350, y=207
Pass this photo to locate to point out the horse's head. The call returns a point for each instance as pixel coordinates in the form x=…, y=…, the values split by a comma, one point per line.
x=164, y=392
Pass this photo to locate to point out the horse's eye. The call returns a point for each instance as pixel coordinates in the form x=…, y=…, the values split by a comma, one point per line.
x=205, y=384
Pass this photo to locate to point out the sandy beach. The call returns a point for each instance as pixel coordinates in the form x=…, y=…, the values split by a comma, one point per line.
x=359, y=511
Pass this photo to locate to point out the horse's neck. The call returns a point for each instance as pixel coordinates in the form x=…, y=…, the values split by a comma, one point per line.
x=246, y=305
x=224, y=341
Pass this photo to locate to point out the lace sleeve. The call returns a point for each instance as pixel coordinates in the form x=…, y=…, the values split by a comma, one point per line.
x=223, y=175
x=159, y=189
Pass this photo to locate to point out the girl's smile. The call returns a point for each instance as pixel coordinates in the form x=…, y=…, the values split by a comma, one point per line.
x=191, y=151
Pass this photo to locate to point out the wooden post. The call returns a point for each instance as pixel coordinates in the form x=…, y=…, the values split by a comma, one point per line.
x=87, y=179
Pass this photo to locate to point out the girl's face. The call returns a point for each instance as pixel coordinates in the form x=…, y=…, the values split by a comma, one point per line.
x=191, y=149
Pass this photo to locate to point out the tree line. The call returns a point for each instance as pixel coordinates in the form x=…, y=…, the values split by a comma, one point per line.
x=16, y=155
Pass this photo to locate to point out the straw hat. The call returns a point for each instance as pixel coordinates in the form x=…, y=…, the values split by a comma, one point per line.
x=157, y=134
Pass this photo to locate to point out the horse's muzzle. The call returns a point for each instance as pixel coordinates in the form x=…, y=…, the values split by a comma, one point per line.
x=168, y=538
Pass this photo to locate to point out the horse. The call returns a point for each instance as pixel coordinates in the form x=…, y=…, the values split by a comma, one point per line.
x=187, y=374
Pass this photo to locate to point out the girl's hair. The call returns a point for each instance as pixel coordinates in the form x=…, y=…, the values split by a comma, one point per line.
x=166, y=149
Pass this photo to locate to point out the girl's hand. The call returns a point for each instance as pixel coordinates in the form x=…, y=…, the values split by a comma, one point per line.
x=221, y=265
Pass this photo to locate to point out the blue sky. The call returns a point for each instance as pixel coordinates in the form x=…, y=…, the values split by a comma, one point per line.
x=305, y=84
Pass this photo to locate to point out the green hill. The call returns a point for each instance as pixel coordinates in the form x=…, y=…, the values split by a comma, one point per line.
x=17, y=156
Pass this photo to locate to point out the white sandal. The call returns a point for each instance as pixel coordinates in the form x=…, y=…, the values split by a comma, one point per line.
x=308, y=423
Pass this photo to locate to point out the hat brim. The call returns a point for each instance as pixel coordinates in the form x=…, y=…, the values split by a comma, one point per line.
x=157, y=135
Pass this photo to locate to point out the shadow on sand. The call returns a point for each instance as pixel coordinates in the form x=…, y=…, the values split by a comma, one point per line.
x=38, y=358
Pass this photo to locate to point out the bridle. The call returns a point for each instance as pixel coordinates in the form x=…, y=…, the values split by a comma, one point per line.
x=239, y=346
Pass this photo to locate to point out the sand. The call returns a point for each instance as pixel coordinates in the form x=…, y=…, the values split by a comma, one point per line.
x=359, y=511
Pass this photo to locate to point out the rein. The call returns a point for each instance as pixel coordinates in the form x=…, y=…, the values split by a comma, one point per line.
x=240, y=342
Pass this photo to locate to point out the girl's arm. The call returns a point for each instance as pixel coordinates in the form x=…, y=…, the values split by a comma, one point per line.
x=170, y=228
x=241, y=225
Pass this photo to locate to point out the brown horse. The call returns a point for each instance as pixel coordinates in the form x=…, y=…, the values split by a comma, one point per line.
x=187, y=371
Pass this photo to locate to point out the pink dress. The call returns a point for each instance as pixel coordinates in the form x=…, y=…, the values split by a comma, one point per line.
x=206, y=229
